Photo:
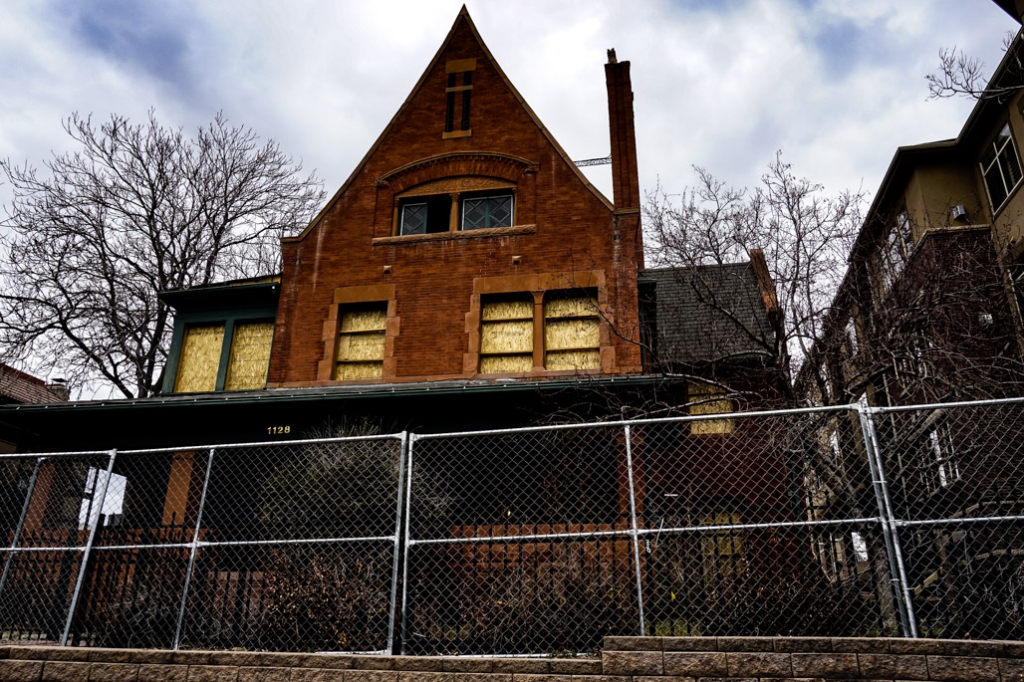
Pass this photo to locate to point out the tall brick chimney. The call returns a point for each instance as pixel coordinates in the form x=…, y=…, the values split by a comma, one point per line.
x=625, y=180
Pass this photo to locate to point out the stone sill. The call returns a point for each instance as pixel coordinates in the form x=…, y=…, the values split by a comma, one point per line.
x=449, y=236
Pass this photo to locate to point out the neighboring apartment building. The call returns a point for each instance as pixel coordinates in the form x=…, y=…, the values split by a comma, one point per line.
x=929, y=311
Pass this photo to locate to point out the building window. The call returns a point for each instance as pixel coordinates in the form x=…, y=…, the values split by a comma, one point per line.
x=723, y=549
x=359, y=351
x=454, y=211
x=899, y=244
x=570, y=341
x=449, y=114
x=467, y=82
x=249, y=359
x=203, y=366
x=506, y=335
x=852, y=343
x=709, y=399
x=425, y=215
x=1001, y=168
x=487, y=211
x=572, y=332
x=200, y=358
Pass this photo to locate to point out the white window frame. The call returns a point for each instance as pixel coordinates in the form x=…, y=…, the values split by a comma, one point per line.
x=997, y=149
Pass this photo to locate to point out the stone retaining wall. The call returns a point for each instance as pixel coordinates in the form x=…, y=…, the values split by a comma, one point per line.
x=811, y=658
x=625, y=659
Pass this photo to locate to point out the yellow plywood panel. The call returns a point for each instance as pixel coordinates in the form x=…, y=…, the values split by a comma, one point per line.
x=583, y=306
x=360, y=347
x=250, y=356
x=572, y=360
x=199, y=359
x=506, y=337
x=507, y=310
x=352, y=371
x=702, y=396
x=505, y=364
x=363, y=320
x=572, y=334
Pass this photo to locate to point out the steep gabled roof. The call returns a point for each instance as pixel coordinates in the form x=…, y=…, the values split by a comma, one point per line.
x=463, y=16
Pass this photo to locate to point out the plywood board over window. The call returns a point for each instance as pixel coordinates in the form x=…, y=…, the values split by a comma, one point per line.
x=572, y=332
x=709, y=399
x=199, y=359
x=250, y=356
x=359, y=351
x=506, y=335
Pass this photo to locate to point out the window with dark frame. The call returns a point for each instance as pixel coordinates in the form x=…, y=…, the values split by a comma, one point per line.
x=449, y=116
x=467, y=81
x=425, y=215
x=201, y=367
x=487, y=211
x=446, y=212
x=896, y=250
x=452, y=89
x=1000, y=168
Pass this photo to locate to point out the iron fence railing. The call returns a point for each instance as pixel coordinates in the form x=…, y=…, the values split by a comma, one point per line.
x=835, y=521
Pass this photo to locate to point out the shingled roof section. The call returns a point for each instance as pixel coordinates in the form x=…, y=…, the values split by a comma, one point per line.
x=18, y=387
x=706, y=314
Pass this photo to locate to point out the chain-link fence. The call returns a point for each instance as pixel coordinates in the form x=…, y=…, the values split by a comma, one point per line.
x=833, y=521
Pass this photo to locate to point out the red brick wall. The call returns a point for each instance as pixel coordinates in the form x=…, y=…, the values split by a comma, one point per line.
x=433, y=280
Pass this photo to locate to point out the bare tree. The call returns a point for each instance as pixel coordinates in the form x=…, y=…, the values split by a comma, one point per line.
x=135, y=210
x=805, y=236
x=960, y=74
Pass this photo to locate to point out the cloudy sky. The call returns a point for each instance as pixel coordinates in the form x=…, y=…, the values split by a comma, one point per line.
x=722, y=84
x=719, y=83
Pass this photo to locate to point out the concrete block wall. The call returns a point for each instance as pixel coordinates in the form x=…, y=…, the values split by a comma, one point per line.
x=735, y=659
x=624, y=659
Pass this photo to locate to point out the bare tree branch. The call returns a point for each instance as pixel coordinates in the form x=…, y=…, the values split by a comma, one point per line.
x=136, y=209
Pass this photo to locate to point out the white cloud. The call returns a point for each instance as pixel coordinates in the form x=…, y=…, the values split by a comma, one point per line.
x=837, y=86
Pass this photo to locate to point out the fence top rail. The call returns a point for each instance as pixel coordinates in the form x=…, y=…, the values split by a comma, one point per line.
x=199, y=448
x=939, y=406
x=639, y=422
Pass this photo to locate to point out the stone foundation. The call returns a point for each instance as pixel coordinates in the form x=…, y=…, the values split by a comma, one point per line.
x=624, y=659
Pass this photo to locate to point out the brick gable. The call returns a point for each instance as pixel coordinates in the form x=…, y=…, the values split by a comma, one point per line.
x=563, y=227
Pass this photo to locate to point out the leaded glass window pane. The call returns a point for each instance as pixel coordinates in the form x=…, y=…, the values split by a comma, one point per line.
x=484, y=212
x=414, y=219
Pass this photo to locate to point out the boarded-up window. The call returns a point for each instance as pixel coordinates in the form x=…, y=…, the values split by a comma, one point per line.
x=723, y=548
x=359, y=353
x=250, y=356
x=709, y=399
x=506, y=335
x=572, y=332
x=199, y=358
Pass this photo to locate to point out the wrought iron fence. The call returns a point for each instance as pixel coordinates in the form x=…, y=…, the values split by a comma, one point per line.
x=830, y=521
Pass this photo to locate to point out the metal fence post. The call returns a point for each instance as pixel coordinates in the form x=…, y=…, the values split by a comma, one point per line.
x=192, y=551
x=88, y=547
x=21, y=524
x=634, y=530
x=398, y=531
x=404, y=639
x=887, y=518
